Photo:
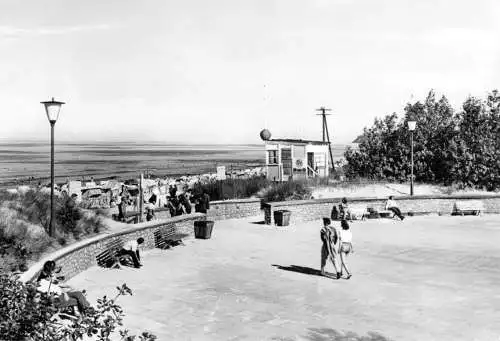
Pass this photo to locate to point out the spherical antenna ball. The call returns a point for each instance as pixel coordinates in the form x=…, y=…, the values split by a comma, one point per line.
x=265, y=134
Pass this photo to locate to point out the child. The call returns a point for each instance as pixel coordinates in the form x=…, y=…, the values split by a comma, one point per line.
x=345, y=246
x=329, y=238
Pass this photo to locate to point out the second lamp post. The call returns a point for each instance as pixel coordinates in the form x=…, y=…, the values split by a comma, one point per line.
x=411, y=127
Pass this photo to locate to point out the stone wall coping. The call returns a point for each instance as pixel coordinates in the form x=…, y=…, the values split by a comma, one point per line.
x=128, y=229
x=235, y=201
x=406, y=197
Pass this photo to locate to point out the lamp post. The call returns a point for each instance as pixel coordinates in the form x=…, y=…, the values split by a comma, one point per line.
x=52, y=109
x=411, y=127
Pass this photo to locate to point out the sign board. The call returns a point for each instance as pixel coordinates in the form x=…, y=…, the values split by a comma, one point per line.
x=221, y=173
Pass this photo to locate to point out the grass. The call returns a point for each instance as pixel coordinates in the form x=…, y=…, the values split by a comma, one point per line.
x=24, y=224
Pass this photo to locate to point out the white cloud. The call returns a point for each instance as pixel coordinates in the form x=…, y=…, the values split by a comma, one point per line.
x=18, y=32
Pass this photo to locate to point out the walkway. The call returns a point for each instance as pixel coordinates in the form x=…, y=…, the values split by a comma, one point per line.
x=427, y=278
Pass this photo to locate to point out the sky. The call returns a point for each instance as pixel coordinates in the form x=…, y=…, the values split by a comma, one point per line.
x=219, y=71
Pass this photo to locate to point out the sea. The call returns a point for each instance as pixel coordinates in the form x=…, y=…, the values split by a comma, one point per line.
x=28, y=162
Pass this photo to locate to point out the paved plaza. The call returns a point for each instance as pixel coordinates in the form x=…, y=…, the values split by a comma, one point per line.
x=427, y=278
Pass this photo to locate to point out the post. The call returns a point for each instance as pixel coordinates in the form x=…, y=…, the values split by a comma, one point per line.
x=52, y=213
x=411, y=146
x=141, y=198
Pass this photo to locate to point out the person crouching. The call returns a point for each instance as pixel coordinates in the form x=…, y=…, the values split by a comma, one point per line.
x=131, y=248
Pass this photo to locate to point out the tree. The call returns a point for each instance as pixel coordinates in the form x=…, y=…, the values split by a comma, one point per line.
x=26, y=314
x=461, y=148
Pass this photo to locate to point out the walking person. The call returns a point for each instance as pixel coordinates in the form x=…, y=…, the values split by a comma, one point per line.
x=329, y=248
x=131, y=248
x=345, y=246
x=391, y=205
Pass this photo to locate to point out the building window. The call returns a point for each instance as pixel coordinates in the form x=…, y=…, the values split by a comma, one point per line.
x=273, y=156
x=319, y=160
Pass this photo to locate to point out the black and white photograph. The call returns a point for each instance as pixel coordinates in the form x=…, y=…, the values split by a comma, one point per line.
x=281, y=170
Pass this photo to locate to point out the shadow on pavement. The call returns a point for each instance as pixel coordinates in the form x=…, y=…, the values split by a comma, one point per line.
x=329, y=334
x=301, y=269
x=262, y=222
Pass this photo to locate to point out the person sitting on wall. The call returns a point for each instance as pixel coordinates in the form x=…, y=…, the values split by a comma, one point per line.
x=124, y=199
x=184, y=201
x=150, y=207
x=48, y=283
x=131, y=248
x=391, y=205
x=344, y=212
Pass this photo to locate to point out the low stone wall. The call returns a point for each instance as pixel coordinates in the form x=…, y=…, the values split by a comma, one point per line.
x=82, y=255
x=236, y=208
x=306, y=210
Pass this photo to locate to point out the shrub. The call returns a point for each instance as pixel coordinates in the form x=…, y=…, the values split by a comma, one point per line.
x=231, y=188
x=26, y=314
x=290, y=190
x=24, y=222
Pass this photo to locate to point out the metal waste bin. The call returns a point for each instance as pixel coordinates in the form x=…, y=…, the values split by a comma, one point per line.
x=203, y=229
x=282, y=217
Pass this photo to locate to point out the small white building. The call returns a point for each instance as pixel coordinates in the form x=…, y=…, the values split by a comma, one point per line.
x=295, y=159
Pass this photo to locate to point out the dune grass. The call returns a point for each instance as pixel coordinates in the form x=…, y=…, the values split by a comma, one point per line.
x=24, y=225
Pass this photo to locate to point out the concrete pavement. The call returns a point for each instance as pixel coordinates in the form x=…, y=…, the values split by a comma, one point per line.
x=427, y=278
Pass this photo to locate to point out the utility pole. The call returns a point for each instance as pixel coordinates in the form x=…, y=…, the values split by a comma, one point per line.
x=323, y=111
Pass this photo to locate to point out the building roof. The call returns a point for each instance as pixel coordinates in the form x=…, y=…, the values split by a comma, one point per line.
x=359, y=139
x=299, y=141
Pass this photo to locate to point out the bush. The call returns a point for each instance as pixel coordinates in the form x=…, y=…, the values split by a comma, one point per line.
x=461, y=148
x=24, y=224
x=290, y=190
x=26, y=314
x=231, y=188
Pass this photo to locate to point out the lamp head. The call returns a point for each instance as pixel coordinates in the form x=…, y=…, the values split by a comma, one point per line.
x=52, y=109
x=412, y=125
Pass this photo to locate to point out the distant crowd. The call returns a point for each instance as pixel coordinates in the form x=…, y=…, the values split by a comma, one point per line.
x=176, y=203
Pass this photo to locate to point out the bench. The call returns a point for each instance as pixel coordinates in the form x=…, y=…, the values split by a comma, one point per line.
x=165, y=239
x=358, y=212
x=110, y=257
x=130, y=217
x=467, y=207
x=386, y=214
x=382, y=213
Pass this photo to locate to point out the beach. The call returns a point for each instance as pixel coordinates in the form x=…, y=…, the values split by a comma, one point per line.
x=25, y=162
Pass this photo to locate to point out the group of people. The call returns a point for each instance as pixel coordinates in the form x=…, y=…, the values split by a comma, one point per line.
x=342, y=211
x=177, y=203
x=336, y=246
x=337, y=241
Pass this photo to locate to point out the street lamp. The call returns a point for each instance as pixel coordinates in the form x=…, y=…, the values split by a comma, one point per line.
x=411, y=127
x=52, y=109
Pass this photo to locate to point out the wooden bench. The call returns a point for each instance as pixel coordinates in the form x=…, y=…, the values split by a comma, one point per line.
x=468, y=207
x=111, y=258
x=373, y=213
x=386, y=214
x=358, y=212
x=130, y=217
x=166, y=238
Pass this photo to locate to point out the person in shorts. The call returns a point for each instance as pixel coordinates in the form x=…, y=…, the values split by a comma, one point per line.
x=345, y=246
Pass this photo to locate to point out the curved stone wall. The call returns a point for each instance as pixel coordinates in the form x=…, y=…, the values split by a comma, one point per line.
x=82, y=255
x=306, y=210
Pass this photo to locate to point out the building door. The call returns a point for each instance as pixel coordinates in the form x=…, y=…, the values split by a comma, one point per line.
x=286, y=161
x=310, y=164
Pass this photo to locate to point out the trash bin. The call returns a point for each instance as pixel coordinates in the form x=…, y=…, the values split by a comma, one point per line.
x=282, y=217
x=203, y=229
